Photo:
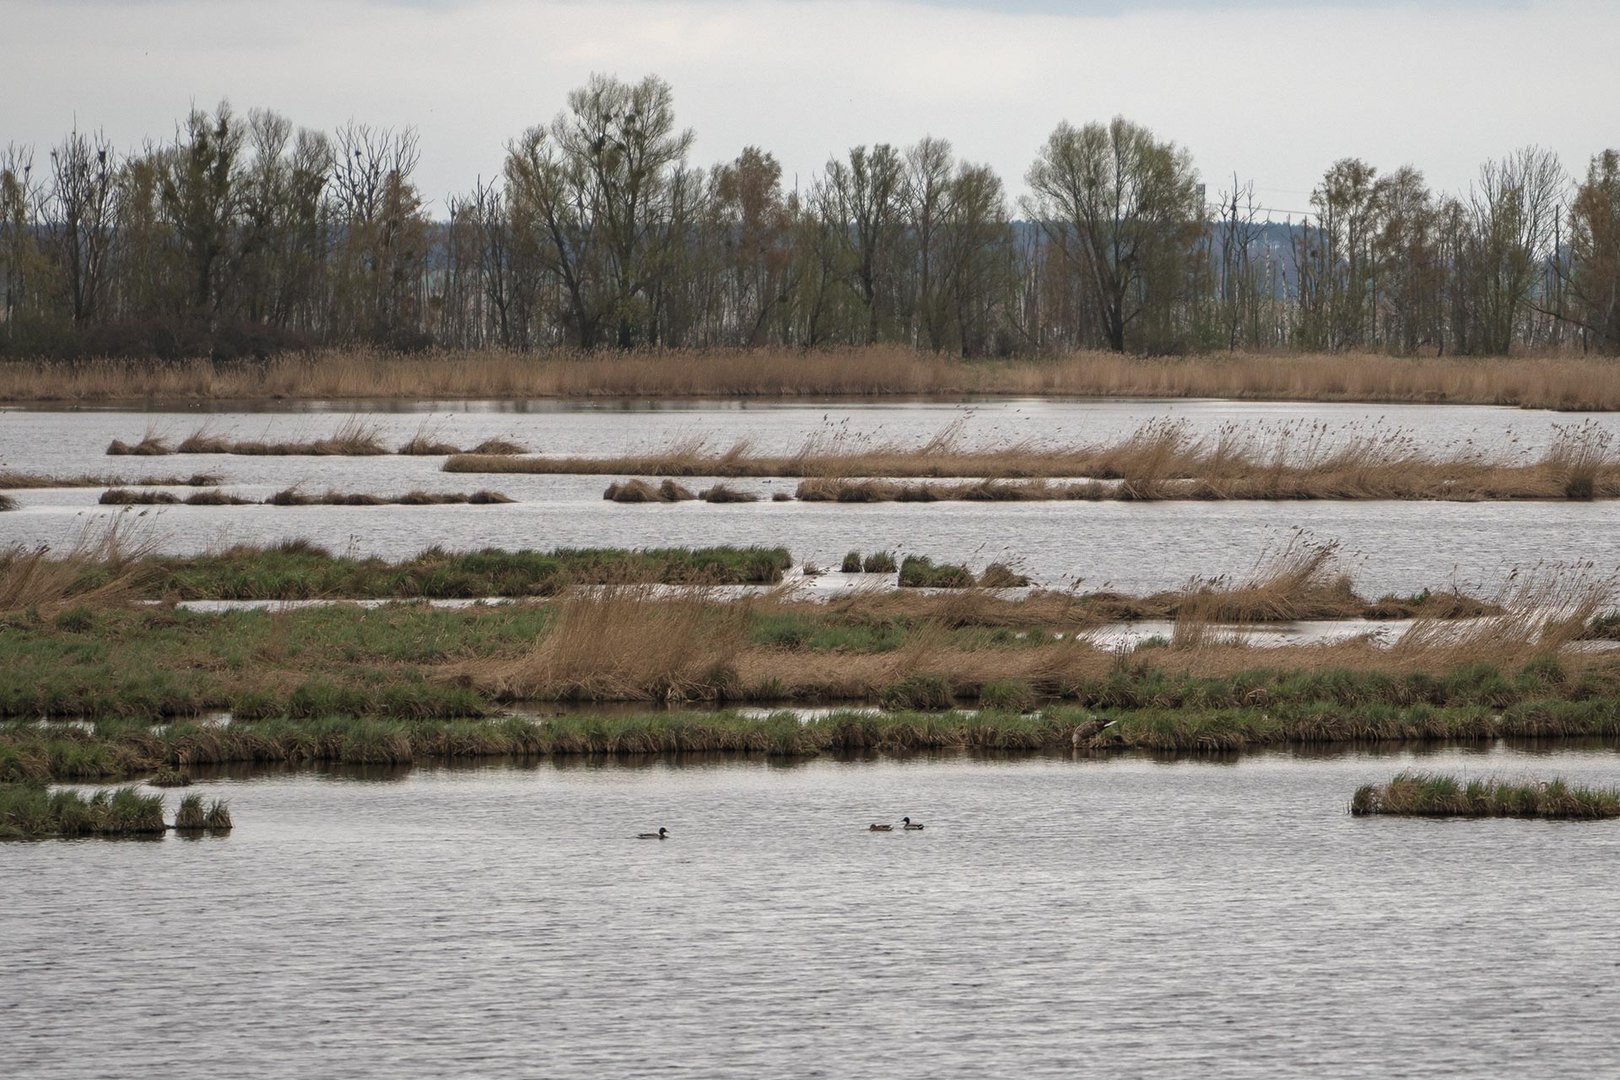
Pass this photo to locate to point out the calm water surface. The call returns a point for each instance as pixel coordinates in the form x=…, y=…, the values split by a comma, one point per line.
x=1403, y=546
x=1117, y=918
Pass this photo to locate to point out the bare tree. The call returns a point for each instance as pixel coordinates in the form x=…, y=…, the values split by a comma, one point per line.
x=1124, y=210
x=80, y=218
x=1514, y=208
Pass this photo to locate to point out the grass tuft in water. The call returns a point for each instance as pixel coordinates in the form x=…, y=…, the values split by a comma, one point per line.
x=1423, y=794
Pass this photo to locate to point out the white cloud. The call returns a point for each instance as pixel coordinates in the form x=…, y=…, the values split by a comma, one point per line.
x=1275, y=92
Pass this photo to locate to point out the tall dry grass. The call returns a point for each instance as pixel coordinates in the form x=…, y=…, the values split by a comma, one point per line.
x=628, y=643
x=1537, y=612
x=1163, y=459
x=1300, y=579
x=1538, y=382
x=105, y=565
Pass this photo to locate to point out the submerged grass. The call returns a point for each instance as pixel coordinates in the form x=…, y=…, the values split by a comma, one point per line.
x=1421, y=794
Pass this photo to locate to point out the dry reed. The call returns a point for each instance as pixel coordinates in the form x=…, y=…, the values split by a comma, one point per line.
x=629, y=642
x=20, y=481
x=353, y=438
x=105, y=565
x=1536, y=382
x=1163, y=459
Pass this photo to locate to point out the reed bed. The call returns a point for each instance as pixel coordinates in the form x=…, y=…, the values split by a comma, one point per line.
x=1534, y=382
x=1164, y=459
x=193, y=817
x=1423, y=794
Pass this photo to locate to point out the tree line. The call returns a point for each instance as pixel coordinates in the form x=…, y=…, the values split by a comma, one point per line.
x=245, y=235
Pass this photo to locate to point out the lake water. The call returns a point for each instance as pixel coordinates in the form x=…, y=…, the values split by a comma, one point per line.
x=1124, y=917
x=1394, y=546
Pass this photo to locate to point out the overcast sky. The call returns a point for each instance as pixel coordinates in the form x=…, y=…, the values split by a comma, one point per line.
x=1273, y=89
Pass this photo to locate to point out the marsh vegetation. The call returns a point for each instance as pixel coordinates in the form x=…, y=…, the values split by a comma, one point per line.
x=1163, y=459
x=1422, y=794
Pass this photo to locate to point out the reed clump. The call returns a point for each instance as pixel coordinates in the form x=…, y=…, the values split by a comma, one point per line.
x=639, y=491
x=631, y=642
x=7, y=502
x=29, y=811
x=105, y=565
x=1425, y=794
x=725, y=493
x=149, y=445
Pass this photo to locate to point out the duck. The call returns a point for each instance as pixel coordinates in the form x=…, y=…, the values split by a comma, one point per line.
x=880, y=828
x=661, y=834
x=911, y=824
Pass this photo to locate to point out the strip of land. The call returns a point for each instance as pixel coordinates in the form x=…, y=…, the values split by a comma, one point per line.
x=295, y=497
x=1572, y=383
x=21, y=481
x=1161, y=460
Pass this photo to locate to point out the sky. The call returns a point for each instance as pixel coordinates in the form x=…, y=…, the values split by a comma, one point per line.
x=1272, y=90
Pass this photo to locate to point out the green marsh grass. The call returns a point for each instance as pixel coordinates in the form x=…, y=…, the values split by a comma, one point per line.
x=31, y=811
x=1425, y=794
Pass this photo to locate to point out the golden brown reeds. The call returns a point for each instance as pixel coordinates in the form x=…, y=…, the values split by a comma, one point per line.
x=724, y=493
x=1537, y=612
x=1539, y=382
x=629, y=642
x=104, y=566
x=1161, y=460
x=149, y=445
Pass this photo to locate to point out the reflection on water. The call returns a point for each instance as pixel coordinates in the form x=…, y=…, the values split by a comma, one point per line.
x=1161, y=917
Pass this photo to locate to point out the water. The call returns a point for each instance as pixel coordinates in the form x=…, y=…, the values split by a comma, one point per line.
x=1399, y=546
x=1126, y=917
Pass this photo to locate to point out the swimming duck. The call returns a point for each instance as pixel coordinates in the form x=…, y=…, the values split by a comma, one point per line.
x=661, y=834
x=880, y=828
x=910, y=825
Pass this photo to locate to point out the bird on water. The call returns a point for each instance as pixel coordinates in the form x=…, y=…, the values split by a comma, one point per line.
x=910, y=824
x=880, y=828
x=661, y=834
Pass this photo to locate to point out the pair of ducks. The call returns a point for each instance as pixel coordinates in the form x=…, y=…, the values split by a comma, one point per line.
x=906, y=823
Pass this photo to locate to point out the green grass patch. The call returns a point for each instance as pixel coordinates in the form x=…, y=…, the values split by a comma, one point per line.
x=1423, y=794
